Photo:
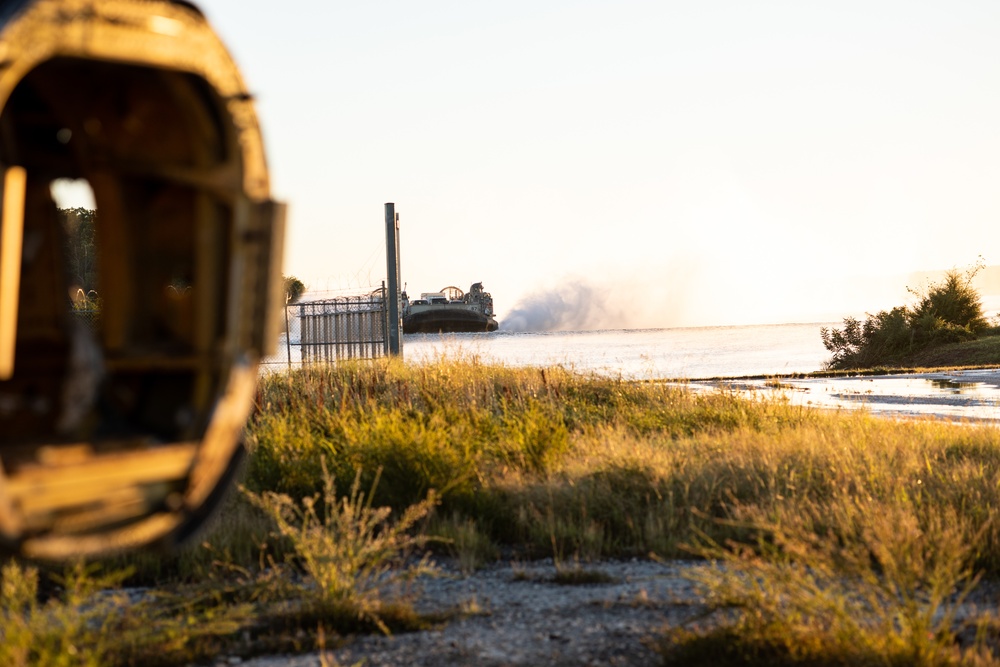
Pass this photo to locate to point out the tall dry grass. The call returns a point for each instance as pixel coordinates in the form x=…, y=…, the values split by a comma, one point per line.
x=605, y=466
x=853, y=537
x=840, y=538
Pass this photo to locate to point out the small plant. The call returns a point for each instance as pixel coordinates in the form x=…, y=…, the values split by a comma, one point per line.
x=94, y=622
x=76, y=629
x=880, y=339
x=350, y=551
x=471, y=547
x=953, y=301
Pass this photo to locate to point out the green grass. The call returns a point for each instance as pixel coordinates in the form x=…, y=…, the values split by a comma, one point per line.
x=349, y=552
x=554, y=463
x=983, y=351
x=877, y=585
x=847, y=534
x=346, y=569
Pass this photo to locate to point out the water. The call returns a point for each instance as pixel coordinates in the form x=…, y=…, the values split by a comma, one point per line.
x=972, y=395
x=701, y=352
x=704, y=354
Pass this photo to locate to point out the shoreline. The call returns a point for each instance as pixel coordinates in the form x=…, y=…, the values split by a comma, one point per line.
x=966, y=394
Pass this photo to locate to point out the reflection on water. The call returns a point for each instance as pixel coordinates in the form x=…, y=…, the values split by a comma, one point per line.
x=954, y=386
x=963, y=395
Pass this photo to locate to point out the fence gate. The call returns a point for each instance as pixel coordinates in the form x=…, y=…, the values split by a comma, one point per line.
x=348, y=327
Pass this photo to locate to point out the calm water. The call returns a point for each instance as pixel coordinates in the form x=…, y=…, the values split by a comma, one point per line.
x=701, y=352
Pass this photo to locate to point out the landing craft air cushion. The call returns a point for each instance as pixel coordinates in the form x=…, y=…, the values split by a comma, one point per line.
x=125, y=434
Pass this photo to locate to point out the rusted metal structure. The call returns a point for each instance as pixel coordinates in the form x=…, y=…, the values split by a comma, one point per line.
x=127, y=436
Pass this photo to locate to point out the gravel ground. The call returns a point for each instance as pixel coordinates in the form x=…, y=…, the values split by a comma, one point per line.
x=520, y=616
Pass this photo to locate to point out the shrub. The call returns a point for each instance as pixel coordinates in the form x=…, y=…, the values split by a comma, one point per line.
x=879, y=339
x=950, y=311
x=951, y=304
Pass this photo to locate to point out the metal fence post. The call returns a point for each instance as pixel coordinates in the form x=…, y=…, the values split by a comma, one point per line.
x=288, y=336
x=392, y=267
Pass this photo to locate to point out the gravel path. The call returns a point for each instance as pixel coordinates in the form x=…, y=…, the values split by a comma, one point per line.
x=520, y=616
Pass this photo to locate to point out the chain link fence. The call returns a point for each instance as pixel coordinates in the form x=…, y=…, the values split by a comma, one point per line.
x=90, y=317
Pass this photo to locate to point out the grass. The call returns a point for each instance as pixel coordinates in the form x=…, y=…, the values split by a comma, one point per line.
x=580, y=576
x=557, y=464
x=983, y=351
x=574, y=467
x=94, y=622
x=877, y=587
x=851, y=536
x=349, y=552
x=345, y=569
x=461, y=539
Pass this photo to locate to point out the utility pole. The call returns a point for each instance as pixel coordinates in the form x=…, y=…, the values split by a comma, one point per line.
x=395, y=338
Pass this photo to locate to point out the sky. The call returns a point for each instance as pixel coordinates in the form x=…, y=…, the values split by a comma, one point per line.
x=631, y=164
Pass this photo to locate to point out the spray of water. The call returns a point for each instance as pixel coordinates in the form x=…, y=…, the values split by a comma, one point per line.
x=573, y=306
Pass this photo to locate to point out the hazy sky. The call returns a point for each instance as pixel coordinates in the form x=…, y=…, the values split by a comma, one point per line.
x=670, y=163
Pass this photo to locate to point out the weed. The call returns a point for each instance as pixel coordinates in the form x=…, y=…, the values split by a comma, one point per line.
x=880, y=585
x=576, y=575
x=94, y=622
x=349, y=550
x=471, y=547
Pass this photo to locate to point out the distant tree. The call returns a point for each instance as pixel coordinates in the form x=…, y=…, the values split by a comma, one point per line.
x=294, y=289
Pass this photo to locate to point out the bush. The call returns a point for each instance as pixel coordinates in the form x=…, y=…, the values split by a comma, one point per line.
x=951, y=304
x=880, y=338
x=950, y=311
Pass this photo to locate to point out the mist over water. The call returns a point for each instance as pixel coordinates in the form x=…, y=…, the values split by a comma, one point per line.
x=685, y=294
x=573, y=306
